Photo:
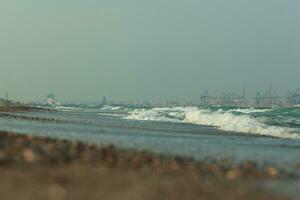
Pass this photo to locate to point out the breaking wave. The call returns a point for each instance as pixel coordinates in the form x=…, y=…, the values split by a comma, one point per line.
x=223, y=120
x=238, y=123
x=158, y=114
x=67, y=108
x=249, y=110
x=112, y=108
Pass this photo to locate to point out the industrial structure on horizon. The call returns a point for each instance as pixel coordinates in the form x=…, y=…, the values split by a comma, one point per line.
x=261, y=100
x=267, y=99
x=51, y=99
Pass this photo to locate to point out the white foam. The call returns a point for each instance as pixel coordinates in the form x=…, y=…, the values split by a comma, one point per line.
x=238, y=123
x=155, y=114
x=110, y=108
x=65, y=108
x=223, y=120
x=110, y=114
x=249, y=110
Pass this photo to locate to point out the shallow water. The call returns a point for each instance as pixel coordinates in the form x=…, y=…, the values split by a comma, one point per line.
x=264, y=136
x=173, y=131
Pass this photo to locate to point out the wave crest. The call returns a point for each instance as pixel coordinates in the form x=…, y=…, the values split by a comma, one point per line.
x=238, y=123
x=223, y=120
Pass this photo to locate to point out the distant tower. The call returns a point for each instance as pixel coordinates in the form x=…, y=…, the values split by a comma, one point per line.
x=205, y=99
x=6, y=96
x=104, y=101
x=297, y=96
x=243, y=96
x=270, y=98
x=258, y=99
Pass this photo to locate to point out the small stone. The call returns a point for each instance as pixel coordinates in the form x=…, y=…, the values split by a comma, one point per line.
x=272, y=171
x=214, y=169
x=2, y=155
x=28, y=155
x=232, y=174
x=56, y=192
x=173, y=165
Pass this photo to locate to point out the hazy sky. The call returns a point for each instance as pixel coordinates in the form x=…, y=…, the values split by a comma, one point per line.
x=152, y=50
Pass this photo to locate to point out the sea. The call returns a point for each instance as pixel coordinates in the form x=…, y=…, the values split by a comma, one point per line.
x=265, y=136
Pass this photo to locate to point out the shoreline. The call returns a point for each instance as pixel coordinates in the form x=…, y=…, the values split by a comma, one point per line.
x=74, y=161
x=9, y=112
x=21, y=108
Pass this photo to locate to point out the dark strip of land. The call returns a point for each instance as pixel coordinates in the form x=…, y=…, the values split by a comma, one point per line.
x=44, y=168
x=20, y=108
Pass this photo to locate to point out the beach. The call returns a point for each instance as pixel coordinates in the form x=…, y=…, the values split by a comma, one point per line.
x=44, y=168
x=150, y=100
x=60, y=155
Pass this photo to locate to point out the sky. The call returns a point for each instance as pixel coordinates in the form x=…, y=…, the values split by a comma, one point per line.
x=147, y=50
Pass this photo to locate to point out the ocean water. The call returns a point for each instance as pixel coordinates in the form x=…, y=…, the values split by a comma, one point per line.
x=261, y=135
x=276, y=122
x=266, y=136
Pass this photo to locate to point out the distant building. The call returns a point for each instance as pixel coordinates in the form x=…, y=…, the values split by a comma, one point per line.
x=259, y=100
x=4, y=102
x=268, y=99
x=104, y=101
x=294, y=99
x=204, y=99
x=51, y=99
x=229, y=99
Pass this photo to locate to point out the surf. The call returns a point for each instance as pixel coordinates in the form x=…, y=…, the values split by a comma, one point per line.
x=223, y=120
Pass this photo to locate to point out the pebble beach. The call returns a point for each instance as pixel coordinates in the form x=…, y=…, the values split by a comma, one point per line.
x=45, y=168
x=36, y=167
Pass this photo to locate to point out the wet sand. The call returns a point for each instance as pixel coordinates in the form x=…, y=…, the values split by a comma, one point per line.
x=44, y=168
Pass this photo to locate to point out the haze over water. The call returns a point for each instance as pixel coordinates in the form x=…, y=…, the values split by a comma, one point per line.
x=170, y=51
x=156, y=50
x=273, y=135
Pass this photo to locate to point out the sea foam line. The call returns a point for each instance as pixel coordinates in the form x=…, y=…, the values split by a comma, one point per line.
x=238, y=123
x=223, y=120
